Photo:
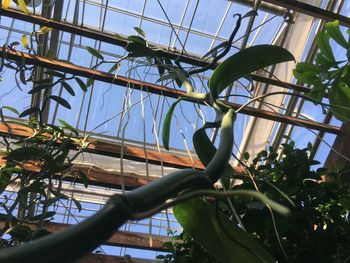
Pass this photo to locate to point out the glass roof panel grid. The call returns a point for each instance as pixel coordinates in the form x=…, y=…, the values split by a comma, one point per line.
x=212, y=24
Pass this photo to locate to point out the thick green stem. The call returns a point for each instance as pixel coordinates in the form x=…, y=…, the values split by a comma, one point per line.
x=82, y=238
x=216, y=167
x=75, y=241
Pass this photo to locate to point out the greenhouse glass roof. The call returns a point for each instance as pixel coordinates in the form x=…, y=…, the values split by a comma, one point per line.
x=127, y=115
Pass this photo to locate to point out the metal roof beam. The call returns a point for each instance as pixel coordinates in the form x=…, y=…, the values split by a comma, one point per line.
x=311, y=10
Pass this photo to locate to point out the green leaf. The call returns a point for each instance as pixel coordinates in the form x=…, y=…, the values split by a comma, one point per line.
x=68, y=126
x=244, y=62
x=81, y=84
x=94, y=52
x=170, y=76
x=55, y=73
x=20, y=232
x=307, y=67
x=48, y=214
x=61, y=101
x=226, y=242
x=114, y=68
x=206, y=150
x=137, y=39
x=166, y=125
x=62, y=157
x=90, y=82
x=118, y=36
x=213, y=52
x=84, y=178
x=68, y=88
x=10, y=109
x=317, y=93
x=22, y=77
x=140, y=31
x=322, y=40
x=29, y=111
x=26, y=153
x=333, y=30
x=77, y=203
x=5, y=178
x=339, y=95
x=250, y=13
x=40, y=87
x=246, y=156
x=345, y=202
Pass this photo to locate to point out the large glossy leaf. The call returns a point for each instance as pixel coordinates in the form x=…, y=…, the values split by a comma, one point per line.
x=227, y=242
x=166, y=125
x=245, y=62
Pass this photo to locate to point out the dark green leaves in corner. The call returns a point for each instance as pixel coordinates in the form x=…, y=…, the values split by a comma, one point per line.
x=166, y=125
x=245, y=62
x=227, y=242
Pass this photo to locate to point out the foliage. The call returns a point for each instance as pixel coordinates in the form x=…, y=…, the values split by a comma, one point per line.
x=319, y=214
x=36, y=165
x=318, y=229
x=320, y=209
x=327, y=76
x=184, y=249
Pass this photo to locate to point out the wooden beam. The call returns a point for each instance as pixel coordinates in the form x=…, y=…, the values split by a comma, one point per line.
x=114, y=149
x=311, y=10
x=341, y=145
x=156, y=89
x=109, y=179
x=109, y=38
x=120, y=238
x=97, y=176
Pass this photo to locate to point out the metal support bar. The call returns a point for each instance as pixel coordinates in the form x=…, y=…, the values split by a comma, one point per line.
x=311, y=10
x=130, y=152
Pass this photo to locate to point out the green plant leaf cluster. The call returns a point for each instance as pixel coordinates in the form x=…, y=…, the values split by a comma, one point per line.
x=38, y=165
x=319, y=208
x=327, y=76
